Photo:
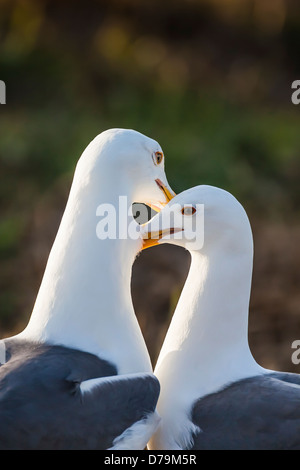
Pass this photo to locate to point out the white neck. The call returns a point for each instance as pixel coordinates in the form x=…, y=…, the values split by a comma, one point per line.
x=85, y=300
x=206, y=346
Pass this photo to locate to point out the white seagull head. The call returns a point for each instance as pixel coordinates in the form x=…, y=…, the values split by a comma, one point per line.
x=200, y=219
x=139, y=159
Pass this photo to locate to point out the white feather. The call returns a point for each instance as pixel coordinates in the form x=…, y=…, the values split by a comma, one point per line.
x=206, y=346
x=84, y=300
x=136, y=436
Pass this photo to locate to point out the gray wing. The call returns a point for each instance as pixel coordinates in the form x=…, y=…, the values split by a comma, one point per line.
x=45, y=405
x=257, y=413
x=116, y=404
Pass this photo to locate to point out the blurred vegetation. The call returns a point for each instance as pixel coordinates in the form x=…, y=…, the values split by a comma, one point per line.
x=209, y=79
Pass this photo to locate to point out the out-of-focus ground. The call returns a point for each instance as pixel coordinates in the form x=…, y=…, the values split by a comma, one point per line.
x=211, y=81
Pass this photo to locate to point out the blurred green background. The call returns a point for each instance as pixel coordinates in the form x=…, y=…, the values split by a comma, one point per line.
x=211, y=81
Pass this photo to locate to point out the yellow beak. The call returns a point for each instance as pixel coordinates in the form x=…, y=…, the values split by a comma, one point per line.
x=169, y=194
x=149, y=243
x=152, y=238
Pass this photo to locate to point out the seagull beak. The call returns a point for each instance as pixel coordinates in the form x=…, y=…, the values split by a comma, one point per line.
x=168, y=193
x=151, y=238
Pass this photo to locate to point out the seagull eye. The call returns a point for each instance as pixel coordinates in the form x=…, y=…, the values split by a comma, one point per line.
x=188, y=210
x=158, y=158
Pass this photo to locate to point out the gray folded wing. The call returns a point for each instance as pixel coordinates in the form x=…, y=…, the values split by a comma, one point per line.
x=261, y=412
x=45, y=405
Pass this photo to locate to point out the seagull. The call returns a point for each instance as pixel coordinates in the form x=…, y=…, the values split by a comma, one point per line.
x=214, y=395
x=79, y=375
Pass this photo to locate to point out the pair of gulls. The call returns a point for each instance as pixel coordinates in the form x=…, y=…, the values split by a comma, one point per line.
x=79, y=376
